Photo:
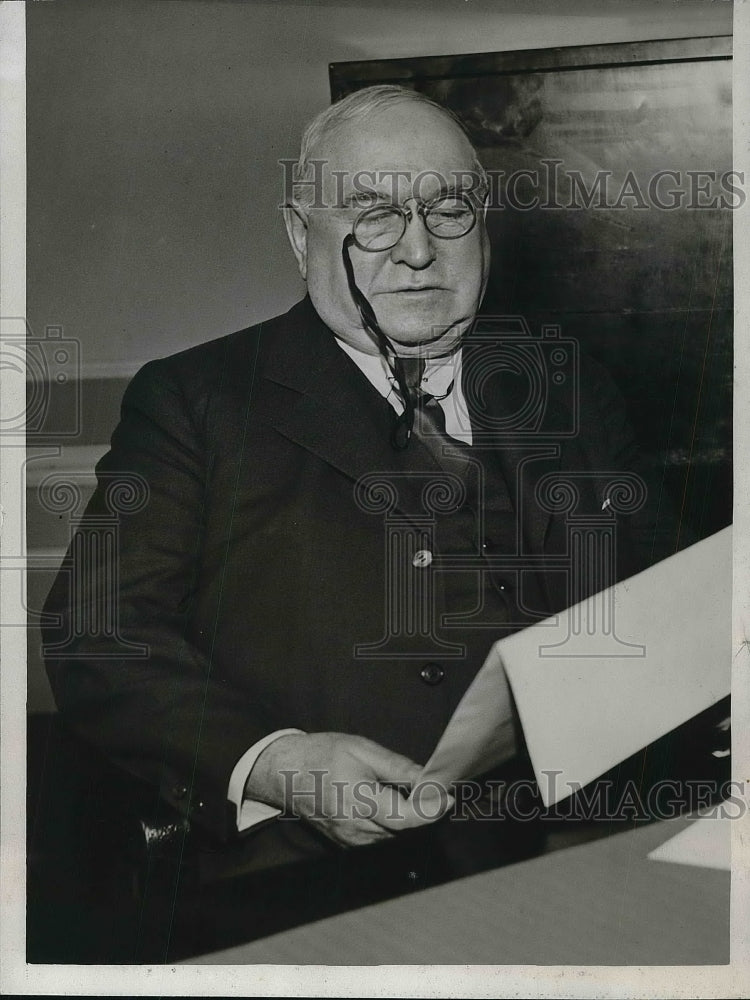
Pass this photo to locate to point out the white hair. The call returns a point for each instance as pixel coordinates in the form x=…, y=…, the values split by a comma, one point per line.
x=356, y=107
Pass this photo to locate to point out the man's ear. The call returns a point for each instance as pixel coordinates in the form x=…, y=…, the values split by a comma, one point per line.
x=296, y=230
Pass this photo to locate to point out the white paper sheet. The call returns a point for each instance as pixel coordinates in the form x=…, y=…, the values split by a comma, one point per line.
x=588, y=698
x=480, y=734
x=706, y=843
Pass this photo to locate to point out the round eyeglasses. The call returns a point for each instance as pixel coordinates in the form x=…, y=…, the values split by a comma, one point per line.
x=381, y=227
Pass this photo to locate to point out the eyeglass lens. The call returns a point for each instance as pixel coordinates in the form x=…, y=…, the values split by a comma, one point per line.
x=381, y=227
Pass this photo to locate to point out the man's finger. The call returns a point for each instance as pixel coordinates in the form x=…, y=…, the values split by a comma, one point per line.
x=355, y=833
x=389, y=767
x=396, y=812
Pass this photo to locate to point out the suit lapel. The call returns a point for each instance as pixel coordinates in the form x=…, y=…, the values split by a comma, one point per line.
x=317, y=397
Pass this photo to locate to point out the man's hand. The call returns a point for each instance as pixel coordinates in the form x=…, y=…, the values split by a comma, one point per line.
x=343, y=785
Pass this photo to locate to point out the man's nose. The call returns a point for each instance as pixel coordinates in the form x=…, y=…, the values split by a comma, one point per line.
x=416, y=248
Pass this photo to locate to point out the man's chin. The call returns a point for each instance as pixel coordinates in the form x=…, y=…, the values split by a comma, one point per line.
x=433, y=334
x=414, y=325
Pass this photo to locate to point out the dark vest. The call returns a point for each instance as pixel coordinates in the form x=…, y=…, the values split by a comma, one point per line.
x=446, y=606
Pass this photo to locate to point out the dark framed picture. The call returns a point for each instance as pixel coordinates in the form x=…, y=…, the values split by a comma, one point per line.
x=610, y=214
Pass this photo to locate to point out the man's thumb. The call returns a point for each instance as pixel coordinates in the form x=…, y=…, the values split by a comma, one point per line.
x=389, y=767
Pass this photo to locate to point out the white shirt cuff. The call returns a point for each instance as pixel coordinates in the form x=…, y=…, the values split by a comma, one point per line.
x=250, y=812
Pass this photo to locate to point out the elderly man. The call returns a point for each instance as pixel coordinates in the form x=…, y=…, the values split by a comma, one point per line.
x=253, y=661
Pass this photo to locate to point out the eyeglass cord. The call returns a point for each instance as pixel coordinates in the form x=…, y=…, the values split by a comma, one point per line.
x=402, y=429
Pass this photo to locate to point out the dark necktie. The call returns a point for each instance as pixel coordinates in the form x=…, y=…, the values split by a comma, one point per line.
x=429, y=423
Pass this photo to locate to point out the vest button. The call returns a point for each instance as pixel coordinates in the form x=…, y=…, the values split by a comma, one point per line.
x=485, y=545
x=179, y=791
x=421, y=558
x=432, y=673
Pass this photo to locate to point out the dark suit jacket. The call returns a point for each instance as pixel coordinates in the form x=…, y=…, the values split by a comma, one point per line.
x=251, y=572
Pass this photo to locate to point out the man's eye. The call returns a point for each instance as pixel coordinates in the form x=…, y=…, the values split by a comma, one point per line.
x=363, y=201
x=380, y=214
x=450, y=217
x=448, y=213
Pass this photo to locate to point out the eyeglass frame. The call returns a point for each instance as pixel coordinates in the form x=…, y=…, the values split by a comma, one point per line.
x=407, y=214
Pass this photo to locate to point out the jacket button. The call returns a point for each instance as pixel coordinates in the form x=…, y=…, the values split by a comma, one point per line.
x=179, y=791
x=432, y=673
x=421, y=558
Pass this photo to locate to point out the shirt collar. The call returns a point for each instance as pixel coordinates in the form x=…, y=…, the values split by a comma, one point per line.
x=438, y=379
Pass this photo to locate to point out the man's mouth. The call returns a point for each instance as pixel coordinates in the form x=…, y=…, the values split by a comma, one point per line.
x=412, y=290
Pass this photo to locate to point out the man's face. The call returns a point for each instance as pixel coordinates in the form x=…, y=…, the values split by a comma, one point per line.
x=425, y=290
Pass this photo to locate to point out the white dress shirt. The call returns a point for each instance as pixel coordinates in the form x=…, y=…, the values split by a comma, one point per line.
x=441, y=379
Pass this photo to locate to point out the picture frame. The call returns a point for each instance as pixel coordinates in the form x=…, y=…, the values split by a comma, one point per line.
x=610, y=218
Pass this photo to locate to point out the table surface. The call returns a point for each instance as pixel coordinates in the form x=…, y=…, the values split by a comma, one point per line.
x=572, y=888
x=600, y=903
